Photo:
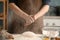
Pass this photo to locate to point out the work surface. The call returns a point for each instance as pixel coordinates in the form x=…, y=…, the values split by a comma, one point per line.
x=21, y=37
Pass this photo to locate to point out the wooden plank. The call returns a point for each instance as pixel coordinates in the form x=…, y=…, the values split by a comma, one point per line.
x=1, y=0
x=1, y=14
x=1, y=18
x=4, y=16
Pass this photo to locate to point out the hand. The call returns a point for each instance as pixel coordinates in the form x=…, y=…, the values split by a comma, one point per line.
x=30, y=19
x=33, y=17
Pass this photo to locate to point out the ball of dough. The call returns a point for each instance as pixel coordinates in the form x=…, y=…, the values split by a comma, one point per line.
x=29, y=34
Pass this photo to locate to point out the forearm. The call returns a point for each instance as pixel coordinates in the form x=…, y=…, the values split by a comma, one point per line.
x=21, y=13
x=43, y=11
x=16, y=9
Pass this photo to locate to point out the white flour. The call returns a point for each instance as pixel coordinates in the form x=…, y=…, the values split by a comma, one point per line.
x=26, y=36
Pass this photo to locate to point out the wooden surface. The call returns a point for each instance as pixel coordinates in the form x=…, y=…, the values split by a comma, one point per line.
x=1, y=0
x=3, y=15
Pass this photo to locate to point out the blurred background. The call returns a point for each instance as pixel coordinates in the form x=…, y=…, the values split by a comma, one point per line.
x=52, y=18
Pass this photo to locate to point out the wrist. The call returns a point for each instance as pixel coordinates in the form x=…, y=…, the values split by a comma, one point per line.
x=35, y=17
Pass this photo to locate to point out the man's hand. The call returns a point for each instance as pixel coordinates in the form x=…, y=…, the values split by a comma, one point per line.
x=33, y=17
x=29, y=20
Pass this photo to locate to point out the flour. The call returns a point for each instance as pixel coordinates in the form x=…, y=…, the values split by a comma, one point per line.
x=27, y=36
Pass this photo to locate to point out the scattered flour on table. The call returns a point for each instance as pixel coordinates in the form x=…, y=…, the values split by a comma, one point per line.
x=26, y=36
